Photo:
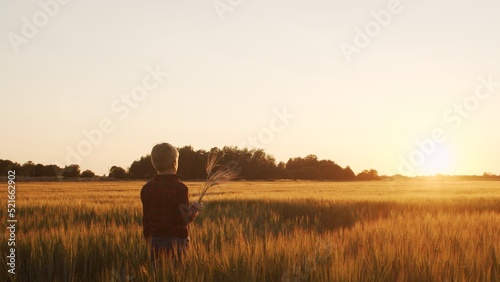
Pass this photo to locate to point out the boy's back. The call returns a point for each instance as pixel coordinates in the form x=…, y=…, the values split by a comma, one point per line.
x=162, y=199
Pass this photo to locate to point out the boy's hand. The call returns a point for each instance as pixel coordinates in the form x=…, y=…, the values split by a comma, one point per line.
x=197, y=206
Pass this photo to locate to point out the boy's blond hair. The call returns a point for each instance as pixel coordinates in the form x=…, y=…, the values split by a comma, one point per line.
x=163, y=156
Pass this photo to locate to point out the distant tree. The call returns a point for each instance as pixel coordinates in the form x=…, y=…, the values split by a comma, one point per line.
x=368, y=175
x=39, y=170
x=142, y=168
x=281, y=172
x=52, y=170
x=71, y=171
x=349, y=174
x=311, y=160
x=304, y=168
x=5, y=166
x=330, y=170
x=192, y=163
x=241, y=160
x=259, y=165
x=117, y=172
x=312, y=168
x=88, y=174
x=18, y=168
x=28, y=169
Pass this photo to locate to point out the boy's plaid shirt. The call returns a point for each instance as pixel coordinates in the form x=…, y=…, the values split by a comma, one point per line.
x=161, y=199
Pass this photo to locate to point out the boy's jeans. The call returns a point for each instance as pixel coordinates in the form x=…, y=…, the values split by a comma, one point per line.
x=173, y=247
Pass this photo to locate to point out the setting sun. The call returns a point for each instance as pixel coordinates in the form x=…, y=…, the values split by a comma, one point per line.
x=439, y=162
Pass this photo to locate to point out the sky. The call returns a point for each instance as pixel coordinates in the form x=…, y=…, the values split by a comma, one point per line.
x=408, y=87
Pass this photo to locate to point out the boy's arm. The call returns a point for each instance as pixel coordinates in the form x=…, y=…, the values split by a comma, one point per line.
x=189, y=213
x=193, y=214
x=145, y=222
x=145, y=227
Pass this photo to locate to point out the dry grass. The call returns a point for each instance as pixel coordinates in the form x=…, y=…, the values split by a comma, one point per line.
x=216, y=174
x=269, y=231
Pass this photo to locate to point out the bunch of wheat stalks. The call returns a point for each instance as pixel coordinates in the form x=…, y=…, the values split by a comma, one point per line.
x=216, y=174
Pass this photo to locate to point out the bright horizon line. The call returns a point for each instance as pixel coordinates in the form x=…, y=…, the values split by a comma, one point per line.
x=277, y=161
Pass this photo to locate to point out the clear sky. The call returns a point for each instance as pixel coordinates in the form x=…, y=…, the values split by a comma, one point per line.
x=409, y=87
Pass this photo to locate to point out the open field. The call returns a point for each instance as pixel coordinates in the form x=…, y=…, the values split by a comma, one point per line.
x=266, y=231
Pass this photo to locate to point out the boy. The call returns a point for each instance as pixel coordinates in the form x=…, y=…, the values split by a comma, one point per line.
x=165, y=205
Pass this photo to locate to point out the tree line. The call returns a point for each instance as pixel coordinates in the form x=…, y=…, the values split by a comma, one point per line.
x=30, y=169
x=252, y=164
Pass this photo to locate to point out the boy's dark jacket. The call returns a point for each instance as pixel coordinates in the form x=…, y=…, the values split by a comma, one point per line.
x=163, y=199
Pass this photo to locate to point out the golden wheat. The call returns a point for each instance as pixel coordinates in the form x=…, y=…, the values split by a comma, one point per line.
x=266, y=231
x=216, y=174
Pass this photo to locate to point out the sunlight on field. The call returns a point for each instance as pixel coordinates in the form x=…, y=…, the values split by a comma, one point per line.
x=268, y=231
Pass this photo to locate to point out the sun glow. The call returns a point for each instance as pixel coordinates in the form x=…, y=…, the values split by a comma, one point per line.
x=439, y=162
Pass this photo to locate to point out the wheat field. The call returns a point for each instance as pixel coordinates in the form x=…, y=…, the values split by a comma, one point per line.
x=265, y=231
